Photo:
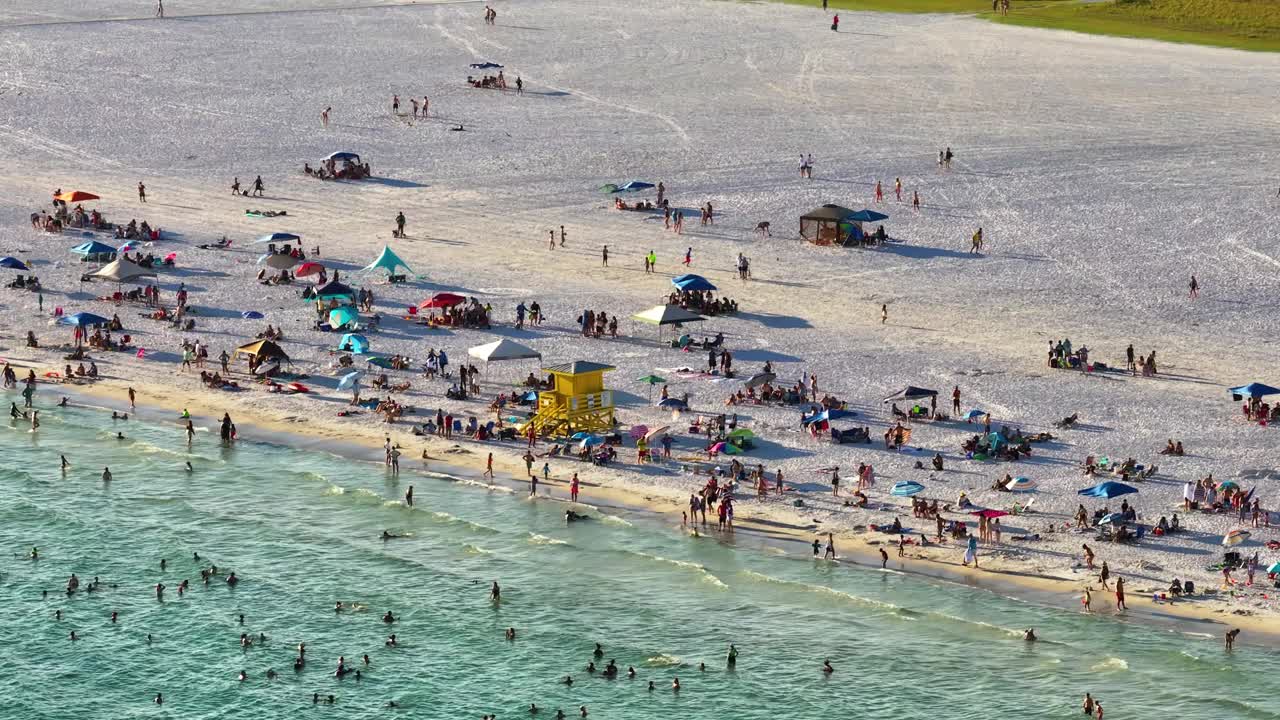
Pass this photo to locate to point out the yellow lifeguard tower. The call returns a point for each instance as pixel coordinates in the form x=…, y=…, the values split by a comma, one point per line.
x=578, y=403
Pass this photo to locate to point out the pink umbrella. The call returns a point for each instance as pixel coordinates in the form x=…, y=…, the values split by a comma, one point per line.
x=988, y=513
x=442, y=300
x=638, y=431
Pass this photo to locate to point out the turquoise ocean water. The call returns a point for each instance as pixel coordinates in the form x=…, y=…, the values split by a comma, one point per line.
x=301, y=528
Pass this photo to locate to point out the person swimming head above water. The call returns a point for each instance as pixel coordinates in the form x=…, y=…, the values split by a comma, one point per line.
x=511, y=633
x=391, y=641
x=388, y=618
x=631, y=671
x=826, y=667
x=1029, y=635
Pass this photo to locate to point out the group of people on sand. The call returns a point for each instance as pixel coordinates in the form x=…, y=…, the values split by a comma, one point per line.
x=329, y=170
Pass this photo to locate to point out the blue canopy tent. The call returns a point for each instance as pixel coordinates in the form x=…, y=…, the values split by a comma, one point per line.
x=389, y=261
x=673, y=404
x=1107, y=490
x=486, y=66
x=277, y=237
x=252, y=315
x=94, y=250
x=826, y=416
x=692, y=283
x=1253, y=390
x=334, y=290
x=13, y=263
x=354, y=343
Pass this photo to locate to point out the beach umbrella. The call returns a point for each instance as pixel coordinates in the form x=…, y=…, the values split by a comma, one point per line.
x=251, y=315
x=741, y=433
x=580, y=435
x=974, y=414
x=127, y=247
x=652, y=380
x=277, y=237
x=591, y=441
x=989, y=513
x=309, y=268
x=343, y=316
x=718, y=448
x=1235, y=537
x=343, y=155
x=866, y=216
x=486, y=66
x=1111, y=518
x=1108, y=490
x=760, y=378
x=278, y=261
x=75, y=196
x=1021, y=484
x=656, y=433
x=1274, y=569
x=638, y=431
x=906, y=488
x=667, y=315
x=83, y=319
x=634, y=186
x=350, y=380
x=13, y=263
x=382, y=362
x=673, y=404
x=354, y=343
x=609, y=188
x=531, y=396
x=1228, y=485
x=442, y=300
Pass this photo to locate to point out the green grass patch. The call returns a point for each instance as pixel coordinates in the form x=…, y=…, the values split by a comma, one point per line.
x=1243, y=24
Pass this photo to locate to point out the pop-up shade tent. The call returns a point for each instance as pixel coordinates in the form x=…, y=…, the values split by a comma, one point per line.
x=500, y=350
x=343, y=316
x=13, y=263
x=343, y=155
x=354, y=343
x=911, y=392
x=389, y=261
x=667, y=315
x=334, y=290
x=82, y=319
x=1253, y=390
x=94, y=250
x=263, y=350
x=277, y=237
x=692, y=283
x=486, y=66
x=121, y=271
x=442, y=300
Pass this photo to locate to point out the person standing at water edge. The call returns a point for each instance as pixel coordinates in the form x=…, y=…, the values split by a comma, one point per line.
x=573, y=488
x=1195, y=287
x=831, y=547
x=1230, y=638
x=971, y=552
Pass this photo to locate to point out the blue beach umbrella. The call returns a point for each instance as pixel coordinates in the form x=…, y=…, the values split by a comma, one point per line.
x=975, y=414
x=673, y=404
x=1254, y=390
x=83, y=319
x=13, y=263
x=692, y=283
x=906, y=488
x=591, y=441
x=349, y=380
x=251, y=315
x=1108, y=490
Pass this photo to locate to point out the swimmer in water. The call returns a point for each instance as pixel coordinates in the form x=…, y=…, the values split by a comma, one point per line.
x=391, y=641
x=495, y=592
x=571, y=516
x=73, y=636
x=511, y=633
x=568, y=680
x=559, y=714
x=1029, y=635
x=598, y=652
x=34, y=554
x=62, y=402
x=388, y=618
x=533, y=709
x=651, y=687
x=232, y=579
x=582, y=710
x=367, y=662
x=631, y=672
x=242, y=676
x=159, y=699
x=826, y=667
x=119, y=436
x=271, y=674
x=591, y=668
x=159, y=591
x=65, y=464
x=733, y=655
x=189, y=468
x=106, y=474
x=114, y=616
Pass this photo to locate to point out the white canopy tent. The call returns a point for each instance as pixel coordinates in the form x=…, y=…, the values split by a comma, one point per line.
x=121, y=271
x=667, y=315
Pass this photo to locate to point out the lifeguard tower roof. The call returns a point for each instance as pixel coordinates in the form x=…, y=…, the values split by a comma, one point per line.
x=578, y=367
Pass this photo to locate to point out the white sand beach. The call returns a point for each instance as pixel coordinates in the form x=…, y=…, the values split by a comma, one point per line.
x=1103, y=173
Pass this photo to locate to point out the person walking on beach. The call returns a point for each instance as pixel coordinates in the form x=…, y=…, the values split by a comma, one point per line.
x=652, y=261
x=257, y=187
x=835, y=23
x=400, y=220
x=551, y=241
x=132, y=397
x=879, y=192
x=971, y=552
x=1120, y=606
x=977, y=243
x=884, y=559
x=955, y=400
x=1105, y=575
x=604, y=256
x=1195, y=288
x=897, y=188
x=395, y=104
x=488, y=467
x=562, y=236
x=142, y=192
x=324, y=116
x=915, y=201
x=160, y=9
x=688, y=257
x=830, y=554
x=1088, y=555
x=884, y=314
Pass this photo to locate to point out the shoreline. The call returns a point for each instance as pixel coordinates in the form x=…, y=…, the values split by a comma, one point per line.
x=753, y=531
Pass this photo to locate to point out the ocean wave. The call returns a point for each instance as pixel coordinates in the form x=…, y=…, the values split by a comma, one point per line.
x=485, y=485
x=449, y=518
x=475, y=550
x=1111, y=664
x=824, y=590
x=537, y=539
x=662, y=660
x=614, y=520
